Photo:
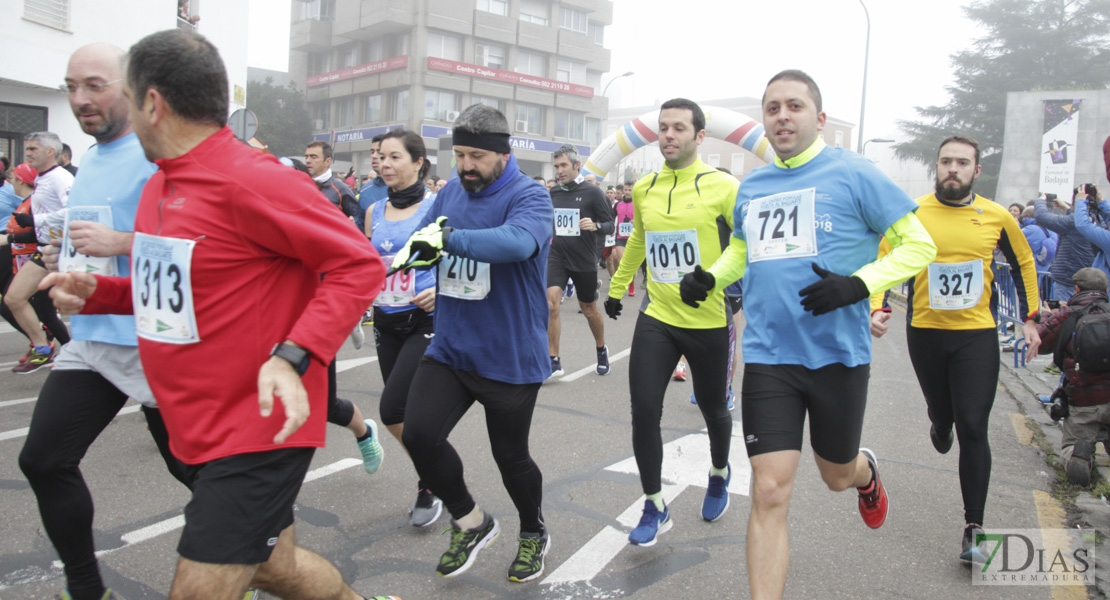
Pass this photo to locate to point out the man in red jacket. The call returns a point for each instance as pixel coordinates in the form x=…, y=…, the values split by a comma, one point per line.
x=231, y=312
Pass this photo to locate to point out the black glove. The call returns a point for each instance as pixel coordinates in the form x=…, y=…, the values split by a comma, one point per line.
x=613, y=307
x=695, y=286
x=832, y=292
x=24, y=219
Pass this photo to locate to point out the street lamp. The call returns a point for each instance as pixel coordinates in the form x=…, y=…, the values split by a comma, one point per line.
x=877, y=141
x=604, y=91
x=863, y=95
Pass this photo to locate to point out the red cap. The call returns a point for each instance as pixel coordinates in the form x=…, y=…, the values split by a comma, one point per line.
x=25, y=173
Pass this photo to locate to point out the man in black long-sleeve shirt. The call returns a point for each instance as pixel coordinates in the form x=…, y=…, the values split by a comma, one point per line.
x=583, y=218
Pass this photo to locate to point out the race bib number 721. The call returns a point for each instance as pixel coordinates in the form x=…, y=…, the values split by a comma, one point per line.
x=781, y=226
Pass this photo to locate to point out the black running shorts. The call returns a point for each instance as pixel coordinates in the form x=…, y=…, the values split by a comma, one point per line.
x=585, y=282
x=776, y=398
x=241, y=504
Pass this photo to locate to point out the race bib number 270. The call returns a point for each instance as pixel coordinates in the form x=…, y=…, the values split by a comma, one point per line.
x=162, y=289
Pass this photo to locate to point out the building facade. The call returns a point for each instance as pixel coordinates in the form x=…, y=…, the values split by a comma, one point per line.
x=373, y=65
x=40, y=35
x=714, y=152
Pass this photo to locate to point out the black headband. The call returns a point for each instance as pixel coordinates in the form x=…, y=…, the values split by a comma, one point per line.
x=494, y=142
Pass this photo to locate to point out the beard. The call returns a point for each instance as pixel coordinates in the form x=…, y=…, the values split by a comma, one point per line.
x=952, y=194
x=483, y=182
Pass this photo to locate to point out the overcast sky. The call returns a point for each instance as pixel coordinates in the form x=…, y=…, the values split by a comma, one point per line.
x=710, y=49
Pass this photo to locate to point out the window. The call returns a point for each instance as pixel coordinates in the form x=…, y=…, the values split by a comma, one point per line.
x=597, y=32
x=441, y=45
x=404, y=45
x=318, y=62
x=437, y=103
x=49, y=12
x=574, y=20
x=401, y=104
x=497, y=7
x=593, y=131
x=570, y=71
x=530, y=63
x=491, y=102
x=373, y=108
x=714, y=160
x=489, y=55
x=318, y=10
x=345, y=112
x=320, y=114
x=535, y=11
x=569, y=124
x=531, y=117
x=348, y=57
x=840, y=139
x=737, y=164
x=374, y=51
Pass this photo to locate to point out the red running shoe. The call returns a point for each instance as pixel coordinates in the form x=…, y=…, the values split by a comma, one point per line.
x=873, y=499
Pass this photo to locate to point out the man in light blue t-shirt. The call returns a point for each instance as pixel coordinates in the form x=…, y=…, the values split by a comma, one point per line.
x=99, y=369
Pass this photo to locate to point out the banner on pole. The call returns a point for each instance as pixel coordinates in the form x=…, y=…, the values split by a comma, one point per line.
x=1058, y=147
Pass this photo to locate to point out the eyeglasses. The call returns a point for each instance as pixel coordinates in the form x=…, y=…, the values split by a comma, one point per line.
x=92, y=88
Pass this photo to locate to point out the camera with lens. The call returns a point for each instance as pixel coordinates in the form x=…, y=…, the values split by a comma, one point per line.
x=1058, y=404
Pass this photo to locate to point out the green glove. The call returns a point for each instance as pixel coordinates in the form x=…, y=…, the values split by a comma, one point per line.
x=423, y=249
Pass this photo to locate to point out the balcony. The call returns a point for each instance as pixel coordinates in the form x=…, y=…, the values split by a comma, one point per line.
x=369, y=19
x=310, y=35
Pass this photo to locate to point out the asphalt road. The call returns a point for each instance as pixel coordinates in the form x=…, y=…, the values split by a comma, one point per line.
x=581, y=439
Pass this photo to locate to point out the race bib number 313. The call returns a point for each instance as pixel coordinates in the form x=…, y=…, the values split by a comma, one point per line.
x=162, y=289
x=781, y=226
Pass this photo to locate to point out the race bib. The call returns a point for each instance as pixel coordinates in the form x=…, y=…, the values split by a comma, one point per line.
x=610, y=240
x=162, y=289
x=781, y=226
x=463, y=278
x=955, y=286
x=624, y=230
x=398, y=289
x=671, y=254
x=72, y=260
x=566, y=222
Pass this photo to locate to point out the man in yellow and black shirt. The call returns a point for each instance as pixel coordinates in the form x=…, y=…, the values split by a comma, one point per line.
x=678, y=215
x=950, y=331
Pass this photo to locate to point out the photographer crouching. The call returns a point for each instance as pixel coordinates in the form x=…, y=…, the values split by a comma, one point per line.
x=1078, y=335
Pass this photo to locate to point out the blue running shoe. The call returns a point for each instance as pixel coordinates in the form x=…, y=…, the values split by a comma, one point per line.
x=731, y=404
x=371, y=448
x=556, y=367
x=716, y=496
x=603, y=361
x=652, y=523
x=693, y=399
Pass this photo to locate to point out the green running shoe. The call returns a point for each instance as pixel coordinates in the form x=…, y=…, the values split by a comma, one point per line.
x=465, y=545
x=529, y=557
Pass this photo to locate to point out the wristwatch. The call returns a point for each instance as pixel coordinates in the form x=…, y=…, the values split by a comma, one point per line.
x=298, y=357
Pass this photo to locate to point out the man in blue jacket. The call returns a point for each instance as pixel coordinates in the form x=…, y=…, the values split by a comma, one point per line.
x=1073, y=252
x=1042, y=241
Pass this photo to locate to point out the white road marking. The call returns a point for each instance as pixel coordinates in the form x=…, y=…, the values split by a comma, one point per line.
x=15, y=433
x=685, y=464
x=593, y=368
x=350, y=363
x=20, y=401
x=174, y=523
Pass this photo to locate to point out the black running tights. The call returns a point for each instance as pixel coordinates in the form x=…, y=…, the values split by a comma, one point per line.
x=73, y=407
x=958, y=373
x=656, y=348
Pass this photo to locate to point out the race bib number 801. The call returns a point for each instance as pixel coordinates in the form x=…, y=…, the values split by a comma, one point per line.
x=162, y=289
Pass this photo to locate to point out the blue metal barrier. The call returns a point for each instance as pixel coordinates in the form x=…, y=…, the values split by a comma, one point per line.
x=1009, y=308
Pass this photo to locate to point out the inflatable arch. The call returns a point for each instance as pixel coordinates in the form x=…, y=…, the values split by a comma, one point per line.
x=720, y=123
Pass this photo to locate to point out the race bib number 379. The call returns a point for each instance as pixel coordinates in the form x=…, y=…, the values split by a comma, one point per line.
x=162, y=289
x=781, y=226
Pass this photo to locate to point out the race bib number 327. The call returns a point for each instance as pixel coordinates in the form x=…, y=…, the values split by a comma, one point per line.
x=162, y=289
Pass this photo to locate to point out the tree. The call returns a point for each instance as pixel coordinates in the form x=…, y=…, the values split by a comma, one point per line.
x=1028, y=45
x=283, y=121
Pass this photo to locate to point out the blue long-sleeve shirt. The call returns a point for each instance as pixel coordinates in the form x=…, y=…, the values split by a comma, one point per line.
x=1098, y=235
x=1074, y=251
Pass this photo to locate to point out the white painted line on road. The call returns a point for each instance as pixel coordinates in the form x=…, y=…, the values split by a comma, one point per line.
x=685, y=464
x=20, y=401
x=350, y=363
x=18, y=433
x=593, y=368
x=174, y=523
x=591, y=558
x=9, y=364
x=15, y=433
